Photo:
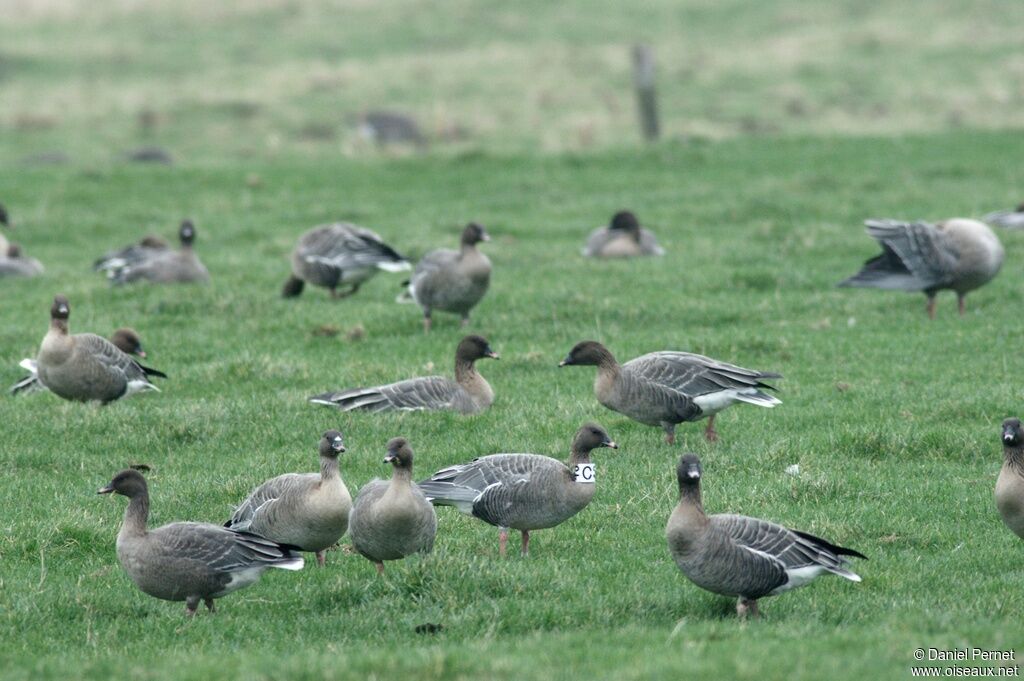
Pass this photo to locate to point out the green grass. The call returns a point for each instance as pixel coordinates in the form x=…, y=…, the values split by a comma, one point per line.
x=892, y=418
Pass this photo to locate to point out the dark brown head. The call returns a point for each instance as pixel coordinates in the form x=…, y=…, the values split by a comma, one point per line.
x=331, y=444
x=474, y=233
x=1013, y=435
x=689, y=472
x=1020, y=208
x=61, y=308
x=625, y=221
x=187, y=233
x=292, y=288
x=128, y=341
x=128, y=482
x=472, y=348
x=399, y=453
x=590, y=436
x=13, y=250
x=587, y=353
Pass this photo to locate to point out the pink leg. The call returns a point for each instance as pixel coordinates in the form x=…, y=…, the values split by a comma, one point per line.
x=380, y=568
x=526, y=542
x=426, y=324
x=931, y=307
x=502, y=542
x=745, y=607
x=960, y=304
x=710, y=433
x=670, y=433
x=321, y=558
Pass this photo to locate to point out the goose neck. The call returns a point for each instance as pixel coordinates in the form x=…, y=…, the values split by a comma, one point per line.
x=136, y=516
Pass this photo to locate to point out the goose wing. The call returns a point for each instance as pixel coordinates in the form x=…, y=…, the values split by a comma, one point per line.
x=222, y=549
x=427, y=393
x=345, y=246
x=696, y=375
x=916, y=256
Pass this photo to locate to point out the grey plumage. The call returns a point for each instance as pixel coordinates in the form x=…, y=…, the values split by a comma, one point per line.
x=622, y=238
x=129, y=256
x=1007, y=219
x=167, y=266
x=189, y=561
x=1010, y=484
x=126, y=340
x=521, y=491
x=390, y=127
x=340, y=254
x=744, y=557
x=15, y=264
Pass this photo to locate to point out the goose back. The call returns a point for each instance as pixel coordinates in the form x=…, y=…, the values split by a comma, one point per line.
x=429, y=393
x=342, y=253
x=87, y=367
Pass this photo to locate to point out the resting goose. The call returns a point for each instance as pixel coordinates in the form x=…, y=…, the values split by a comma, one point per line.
x=667, y=388
x=469, y=393
x=189, y=561
x=306, y=510
x=957, y=254
x=623, y=238
x=126, y=340
x=452, y=281
x=341, y=254
x=522, y=491
x=130, y=256
x=1010, y=485
x=86, y=367
x=15, y=264
x=5, y=221
x=748, y=558
x=1008, y=219
x=166, y=266
x=392, y=519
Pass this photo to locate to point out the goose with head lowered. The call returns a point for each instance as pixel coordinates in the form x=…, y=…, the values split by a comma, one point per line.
x=306, y=510
x=667, y=388
x=622, y=238
x=522, y=491
x=126, y=340
x=469, y=393
x=746, y=558
x=185, y=561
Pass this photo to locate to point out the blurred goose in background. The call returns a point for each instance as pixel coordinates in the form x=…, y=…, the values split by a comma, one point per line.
x=126, y=340
x=386, y=128
x=5, y=221
x=957, y=254
x=452, y=281
x=392, y=519
x=15, y=264
x=1010, y=484
x=747, y=558
x=306, y=510
x=623, y=238
x=522, y=491
x=1008, y=219
x=189, y=562
x=667, y=388
x=469, y=393
x=148, y=248
x=341, y=254
x=86, y=367
x=165, y=266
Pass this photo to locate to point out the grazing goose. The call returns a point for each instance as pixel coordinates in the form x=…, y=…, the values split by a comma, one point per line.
x=126, y=340
x=469, y=393
x=305, y=510
x=392, y=519
x=1008, y=219
x=667, y=388
x=85, y=366
x=166, y=266
x=1010, y=485
x=130, y=256
x=14, y=264
x=749, y=558
x=341, y=254
x=522, y=491
x=452, y=281
x=957, y=254
x=189, y=561
x=623, y=238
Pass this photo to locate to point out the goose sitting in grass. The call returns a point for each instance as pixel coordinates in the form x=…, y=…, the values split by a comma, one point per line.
x=14, y=263
x=86, y=367
x=392, y=519
x=341, y=254
x=957, y=254
x=667, y=388
x=1010, y=484
x=164, y=266
x=306, y=510
x=126, y=340
x=469, y=393
x=146, y=249
x=742, y=557
x=189, y=562
x=1007, y=219
x=623, y=238
x=522, y=491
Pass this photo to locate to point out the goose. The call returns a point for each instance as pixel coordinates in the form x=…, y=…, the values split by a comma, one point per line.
x=306, y=510
x=667, y=388
x=127, y=341
x=739, y=556
x=1010, y=484
x=86, y=367
x=146, y=249
x=452, y=281
x=622, y=238
x=5, y=221
x=392, y=519
x=957, y=254
x=1008, y=219
x=189, y=562
x=521, y=491
x=341, y=254
x=469, y=393
x=166, y=266
x=15, y=264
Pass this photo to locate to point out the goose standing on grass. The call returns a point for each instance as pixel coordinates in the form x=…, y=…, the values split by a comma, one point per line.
x=189, y=562
x=166, y=266
x=1007, y=219
x=15, y=264
x=623, y=238
x=452, y=281
x=469, y=393
x=306, y=510
x=341, y=254
x=957, y=254
x=1010, y=485
x=126, y=340
x=86, y=367
x=522, y=491
x=393, y=519
x=667, y=388
x=747, y=558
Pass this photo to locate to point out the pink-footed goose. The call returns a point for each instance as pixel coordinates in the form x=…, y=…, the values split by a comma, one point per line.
x=126, y=340
x=1007, y=219
x=622, y=238
x=1010, y=484
x=180, y=266
x=14, y=263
